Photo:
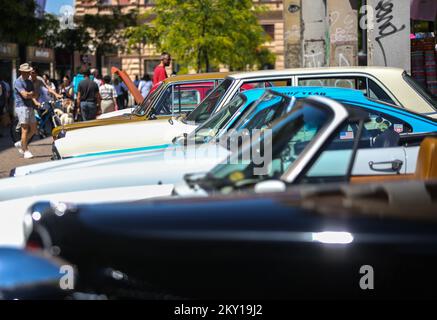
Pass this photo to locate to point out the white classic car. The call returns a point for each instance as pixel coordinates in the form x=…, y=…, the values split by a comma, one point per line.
x=155, y=173
x=389, y=85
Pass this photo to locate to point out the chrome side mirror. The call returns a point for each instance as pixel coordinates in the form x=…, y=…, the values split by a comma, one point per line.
x=270, y=186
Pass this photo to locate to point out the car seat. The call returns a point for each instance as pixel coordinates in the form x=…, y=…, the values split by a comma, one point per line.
x=426, y=166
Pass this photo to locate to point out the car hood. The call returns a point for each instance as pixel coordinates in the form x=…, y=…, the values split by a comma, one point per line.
x=122, y=118
x=115, y=113
x=81, y=162
x=157, y=168
x=132, y=135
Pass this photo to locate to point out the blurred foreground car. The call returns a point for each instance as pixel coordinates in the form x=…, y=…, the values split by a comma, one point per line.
x=26, y=275
x=339, y=140
x=389, y=85
x=332, y=241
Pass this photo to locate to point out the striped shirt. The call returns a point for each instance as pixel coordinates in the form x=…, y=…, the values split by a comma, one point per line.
x=107, y=92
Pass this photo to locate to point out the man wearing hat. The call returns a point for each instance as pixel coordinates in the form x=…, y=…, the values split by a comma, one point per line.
x=24, y=105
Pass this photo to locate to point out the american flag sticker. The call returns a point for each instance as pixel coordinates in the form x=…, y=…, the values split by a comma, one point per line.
x=399, y=128
x=346, y=135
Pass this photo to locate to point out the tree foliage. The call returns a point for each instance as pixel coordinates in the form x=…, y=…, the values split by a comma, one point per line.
x=19, y=24
x=140, y=35
x=105, y=29
x=207, y=33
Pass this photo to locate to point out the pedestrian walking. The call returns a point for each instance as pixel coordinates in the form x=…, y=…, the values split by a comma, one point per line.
x=121, y=91
x=108, y=95
x=39, y=83
x=136, y=81
x=88, y=97
x=66, y=88
x=160, y=74
x=96, y=77
x=145, y=85
x=4, y=98
x=24, y=106
x=48, y=82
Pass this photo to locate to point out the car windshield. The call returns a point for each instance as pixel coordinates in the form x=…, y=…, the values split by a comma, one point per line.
x=272, y=151
x=204, y=110
x=146, y=105
x=267, y=109
x=422, y=91
x=214, y=124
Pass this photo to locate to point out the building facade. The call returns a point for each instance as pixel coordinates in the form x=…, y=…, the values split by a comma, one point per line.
x=143, y=60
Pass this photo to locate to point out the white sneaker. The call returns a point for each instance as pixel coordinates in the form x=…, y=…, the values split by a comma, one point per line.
x=18, y=146
x=27, y=155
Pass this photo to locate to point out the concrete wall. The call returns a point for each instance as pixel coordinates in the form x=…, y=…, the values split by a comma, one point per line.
x=292, y=33
x=343, y=32
x=314, y=33
x=322, y=33
x=389, y=33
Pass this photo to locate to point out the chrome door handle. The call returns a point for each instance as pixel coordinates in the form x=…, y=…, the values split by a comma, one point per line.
x=387, y=166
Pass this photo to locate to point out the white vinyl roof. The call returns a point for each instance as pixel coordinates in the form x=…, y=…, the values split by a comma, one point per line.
x=376, y=71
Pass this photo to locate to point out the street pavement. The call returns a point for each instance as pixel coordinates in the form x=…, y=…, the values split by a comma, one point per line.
x=10, y=158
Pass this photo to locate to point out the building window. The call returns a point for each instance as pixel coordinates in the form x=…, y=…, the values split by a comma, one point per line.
x=269, y=29
x=149, y=66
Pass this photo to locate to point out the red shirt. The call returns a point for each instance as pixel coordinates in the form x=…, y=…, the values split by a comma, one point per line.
x=159, y=74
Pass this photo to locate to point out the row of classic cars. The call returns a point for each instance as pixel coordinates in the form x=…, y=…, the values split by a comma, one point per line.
x=305, y=133
x=393, y=86
x=153, y=173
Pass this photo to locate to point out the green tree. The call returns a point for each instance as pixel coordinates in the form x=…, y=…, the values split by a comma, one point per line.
x=105, y=30
x=19, y=23
x=138, y=36
x=206, y=33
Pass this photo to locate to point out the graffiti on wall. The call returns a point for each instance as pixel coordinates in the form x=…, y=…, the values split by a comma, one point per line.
x=386, y=28
x=381, y=18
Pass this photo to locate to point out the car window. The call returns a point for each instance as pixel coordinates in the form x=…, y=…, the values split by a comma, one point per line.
x=147, y=103
x=248, y=85
x=265, y=112
x=380, y=131
x=185, y=100
x=377, y=93
x=205, y=109
x=358, y=83
x=211, y=127
x=366, y=85
x=287, y=140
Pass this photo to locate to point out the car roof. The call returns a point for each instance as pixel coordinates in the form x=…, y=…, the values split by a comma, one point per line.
x=377, y=71
x=331, y=92
x=198, y=76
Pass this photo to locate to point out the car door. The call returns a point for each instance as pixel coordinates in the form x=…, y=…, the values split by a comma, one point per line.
x=378, y=153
